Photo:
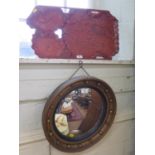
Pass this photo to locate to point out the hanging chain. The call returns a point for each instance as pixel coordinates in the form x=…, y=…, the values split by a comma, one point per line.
x=80, y=67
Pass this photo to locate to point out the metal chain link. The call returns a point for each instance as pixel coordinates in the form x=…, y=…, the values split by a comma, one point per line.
x=80, y=67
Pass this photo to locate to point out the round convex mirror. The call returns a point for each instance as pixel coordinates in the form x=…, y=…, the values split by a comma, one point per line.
x=78, y=113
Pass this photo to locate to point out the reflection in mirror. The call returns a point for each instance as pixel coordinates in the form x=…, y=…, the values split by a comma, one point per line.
x=79, y=112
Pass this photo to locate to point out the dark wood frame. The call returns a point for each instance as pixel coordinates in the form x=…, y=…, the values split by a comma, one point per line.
x=60, y=92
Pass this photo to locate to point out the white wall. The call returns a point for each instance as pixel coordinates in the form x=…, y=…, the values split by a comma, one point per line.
x=38, y=78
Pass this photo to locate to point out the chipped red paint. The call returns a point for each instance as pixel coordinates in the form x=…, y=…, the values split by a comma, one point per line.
x=89, y=33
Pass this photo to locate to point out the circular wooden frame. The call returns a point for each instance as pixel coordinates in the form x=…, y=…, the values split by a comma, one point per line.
x=49, y=110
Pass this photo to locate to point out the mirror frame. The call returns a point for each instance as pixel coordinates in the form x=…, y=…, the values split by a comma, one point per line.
x=59, y=93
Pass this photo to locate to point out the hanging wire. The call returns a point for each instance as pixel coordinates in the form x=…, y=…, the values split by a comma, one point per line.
x=80, y=67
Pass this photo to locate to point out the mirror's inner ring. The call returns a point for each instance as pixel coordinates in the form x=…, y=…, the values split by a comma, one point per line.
x=91, y=131
x=84, y=141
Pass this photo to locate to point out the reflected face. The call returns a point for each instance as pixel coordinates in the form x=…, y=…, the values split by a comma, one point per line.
x=79, y=113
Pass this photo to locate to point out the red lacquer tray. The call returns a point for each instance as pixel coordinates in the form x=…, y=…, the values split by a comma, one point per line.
x=84, y=33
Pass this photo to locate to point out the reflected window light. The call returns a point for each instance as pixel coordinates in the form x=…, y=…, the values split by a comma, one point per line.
x=25, y=8
x=25, y=37
x=65, y=10
x=58, y=32
x=78, y=3
x=51, y=2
